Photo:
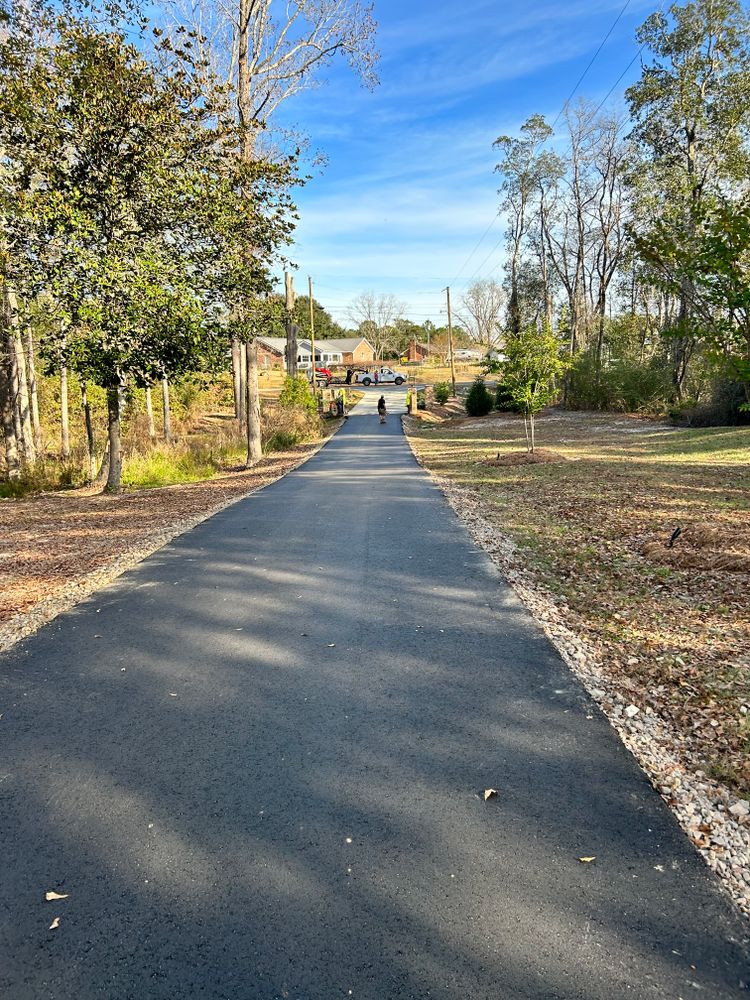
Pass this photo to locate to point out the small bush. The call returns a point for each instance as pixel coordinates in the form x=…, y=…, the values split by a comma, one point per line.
x=723, y=410
x=504, y=399
x=441, y=392
x=297, y=392
x=284, y=427
x=478, y=399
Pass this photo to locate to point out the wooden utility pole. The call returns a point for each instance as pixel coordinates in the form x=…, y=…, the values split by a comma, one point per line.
x=312, y=334
x=291, y=327
x=450, y=341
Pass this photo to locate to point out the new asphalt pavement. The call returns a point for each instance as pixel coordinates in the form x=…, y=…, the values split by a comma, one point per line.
x=254, y=767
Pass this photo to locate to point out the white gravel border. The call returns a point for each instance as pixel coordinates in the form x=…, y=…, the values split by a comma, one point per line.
x=695, y=799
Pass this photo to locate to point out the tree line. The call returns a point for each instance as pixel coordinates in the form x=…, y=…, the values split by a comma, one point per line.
x=628, y=234
x=144, y=201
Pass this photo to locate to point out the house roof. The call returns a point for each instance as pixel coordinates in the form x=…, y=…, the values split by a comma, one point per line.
x=277, y=344
x=344, y=345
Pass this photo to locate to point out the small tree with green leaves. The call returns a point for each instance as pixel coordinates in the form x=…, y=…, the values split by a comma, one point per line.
x=296, y=393
x=531, y=371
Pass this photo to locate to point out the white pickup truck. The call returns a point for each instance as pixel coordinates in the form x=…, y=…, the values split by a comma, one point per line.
x=381, y=376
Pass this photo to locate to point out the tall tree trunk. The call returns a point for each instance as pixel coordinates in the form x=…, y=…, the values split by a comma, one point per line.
x=22, y=414
x=249, y=350
x=33, y=390
x=166, y=420
x=243, y=384
x=64, y=413
x=254, y=447
x=150, y=414
x=89, y=431
x=237, y=377
x=12, y=459
x=114, y=475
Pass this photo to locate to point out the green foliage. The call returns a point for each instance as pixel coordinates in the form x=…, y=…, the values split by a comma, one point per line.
x=532, y=368
x=164, y=466
x=441, y=392
x=626, y=385
x=285, y=427
x=478, y=399
x=504, y=398
x=297, y=392
x=125, y=204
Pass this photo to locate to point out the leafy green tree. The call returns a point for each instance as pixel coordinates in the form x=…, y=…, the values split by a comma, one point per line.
x=692, y=117
x=717, y=272
x=297, y=392
x=126, y=200
x=531, y=370
x=326, y=327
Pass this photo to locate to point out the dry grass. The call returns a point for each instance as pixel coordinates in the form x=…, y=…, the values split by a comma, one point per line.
x=672, y=624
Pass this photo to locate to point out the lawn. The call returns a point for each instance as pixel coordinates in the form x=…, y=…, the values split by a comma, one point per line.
x=671, y=624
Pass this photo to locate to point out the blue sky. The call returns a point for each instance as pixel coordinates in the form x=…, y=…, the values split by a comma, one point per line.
x=409, y=187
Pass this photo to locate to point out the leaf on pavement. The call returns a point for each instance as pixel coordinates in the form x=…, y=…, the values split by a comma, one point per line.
x=55, y=924
x=49, y=896
x=331, y=645
x=586, y=861
x=489, y=793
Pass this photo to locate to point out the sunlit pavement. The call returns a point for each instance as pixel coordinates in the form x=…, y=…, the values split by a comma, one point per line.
x=254, y=767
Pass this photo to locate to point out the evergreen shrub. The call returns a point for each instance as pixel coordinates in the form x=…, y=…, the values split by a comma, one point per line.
x=479, y=400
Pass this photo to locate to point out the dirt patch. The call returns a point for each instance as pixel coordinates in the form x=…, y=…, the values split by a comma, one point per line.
x=540, y=456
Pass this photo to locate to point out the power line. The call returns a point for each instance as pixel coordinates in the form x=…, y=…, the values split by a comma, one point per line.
x=557, y=118
x=591, y=63
x=495, y=217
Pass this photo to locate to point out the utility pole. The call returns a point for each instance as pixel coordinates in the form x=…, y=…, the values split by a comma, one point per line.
x=450, y=341
x=291, y=328
x=312, y=335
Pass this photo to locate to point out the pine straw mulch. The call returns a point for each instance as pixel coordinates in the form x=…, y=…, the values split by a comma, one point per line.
x=56, y=548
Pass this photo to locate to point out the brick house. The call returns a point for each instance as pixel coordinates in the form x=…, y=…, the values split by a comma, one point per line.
x=343, y=351
x=417, y=352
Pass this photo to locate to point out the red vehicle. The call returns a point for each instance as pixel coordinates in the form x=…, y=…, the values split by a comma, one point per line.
x=323, y=376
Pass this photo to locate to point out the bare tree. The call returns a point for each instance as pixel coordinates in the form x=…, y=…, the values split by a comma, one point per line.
x=480, y=312
x=283, y=46
x=519, y=168
x=375, y=317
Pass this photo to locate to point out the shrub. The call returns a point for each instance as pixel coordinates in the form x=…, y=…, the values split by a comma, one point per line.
x=297, y=392
x=478, y=399
x=441, y=392
x=504, y=399
x=724, y=409
x=625, y=384
x=285, y=426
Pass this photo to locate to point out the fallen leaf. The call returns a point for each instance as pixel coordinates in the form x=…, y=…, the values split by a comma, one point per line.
x=49, y=896
x=586, y=861
x=55, y=924
x=331, y=645
x=489, y=793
